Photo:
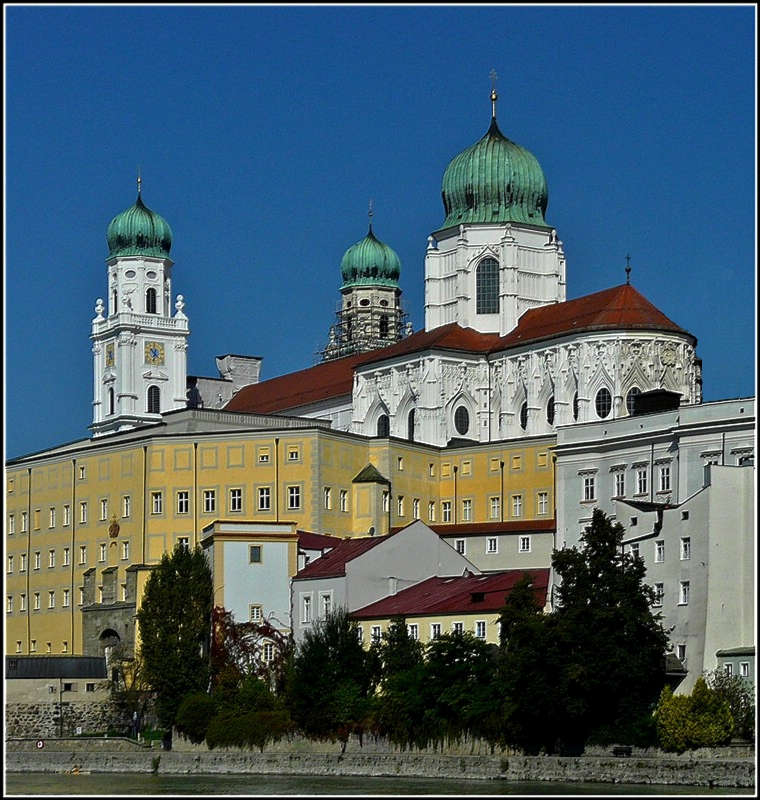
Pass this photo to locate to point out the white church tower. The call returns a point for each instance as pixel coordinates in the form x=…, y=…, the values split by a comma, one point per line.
x=139, y=342
x=494, y=257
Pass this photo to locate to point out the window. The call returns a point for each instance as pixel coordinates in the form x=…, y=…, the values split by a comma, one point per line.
x=634, y=522
x=183, y=502
x=435, y=630
x=9, y=604
x=254, y=554
x=495, y=505
x=516, y=505
x=65, y=598
x=82, y=473
x=64, y=647
x=9, y=567
x=683, y=593
x=589, y=487
x=487, y=287
x=664, y=477
x=524, y=416
x=684, y=515
x=459, y=546
x=24, y=521
x=492, y=544
x=603, y=403
x=431, y=511
x=83, y=512
x=33, y=646
x=263, y=456
x=326, y=603
x=462, y=420
x=375, y=634
x=81, y=596
x=125, y=551
x=550, y=410
x=386, y=501
x=37, y=559
x=400, y=505
x=51, y=599
x=410, y=426
x=524, y=544
x=630, y=402
x=150, y=301
x=294, y=497
x=124, y=592
x=641, y=480
x=431, y=469
x=728, y=669
x=480, y=629
x=414, y=631
x=22, y=602
x=659, y=551
x=18, y=646
x=446, y=511
x=543, y=502
x=209, y=501
x=744, y=669
x=102, y=552
x=183, y=542
x=66, y=514
x=383, y=425
x=268, y=654
x=620, y=484
x=157, y=503
x=659, y=593
x=11, y=524
x=36, y=601
x=36, y=519
x=254, y=613
x=400, y=463
x=66, y=556
x=457, y=627
x=22, y=562
x=416, y=508
x=52, y=517
x=634, y=549
x=685, y=548
x=154, y=400
x=103, y=510
x=306, y=609
x=383, y=326
x=236, y=500
x=82, y=553
x=328, y=497
x=466, y=510
x=265, y=498
x=293, y=454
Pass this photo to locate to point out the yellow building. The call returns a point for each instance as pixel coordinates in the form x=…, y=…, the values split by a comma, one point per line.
x=85, y=521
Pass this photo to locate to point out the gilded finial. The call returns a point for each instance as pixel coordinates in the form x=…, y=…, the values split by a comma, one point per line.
x=370, y=213
x=494, y=96
x=627, y=270
x=139, y=182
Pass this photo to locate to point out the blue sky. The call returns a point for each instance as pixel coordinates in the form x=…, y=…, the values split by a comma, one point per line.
x=261, y=134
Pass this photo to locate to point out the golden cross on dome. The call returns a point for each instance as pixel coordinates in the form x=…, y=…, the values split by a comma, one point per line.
x=370, y=213
x=139, y=181
x=494, y=96
x=627, y=270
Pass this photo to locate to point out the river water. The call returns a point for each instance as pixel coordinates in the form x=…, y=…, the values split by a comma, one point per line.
x=146, y=785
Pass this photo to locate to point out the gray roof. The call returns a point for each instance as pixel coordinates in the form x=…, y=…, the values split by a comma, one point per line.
x=55, y=667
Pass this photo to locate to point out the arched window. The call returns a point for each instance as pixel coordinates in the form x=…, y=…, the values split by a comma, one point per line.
x=154, y=400
x=575, y=406
x=487, y=286
x=383, y=425
x=110, y=401
x=150, y=301
x=630, y=402
x=383, y=326
x=410, y=426
x=114, y=307
x=603, y=402
x=524, y=416
x=550, y=411
x=462, y=420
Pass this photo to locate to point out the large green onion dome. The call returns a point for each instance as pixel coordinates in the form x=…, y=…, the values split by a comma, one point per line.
x=493, y=181
x=370, y=262
x=138, y=231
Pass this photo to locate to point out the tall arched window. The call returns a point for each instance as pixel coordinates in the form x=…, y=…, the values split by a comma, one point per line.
x=630, y=402
x=575, y=406
x=154, y=400
x=487, y=286
x=150, y=301
x=110, y=401
x=550, y=411
x=114, y=307
x=383, y=425
x=410, y=426
x=462, y=420
x=524, y=416
x=383, y=326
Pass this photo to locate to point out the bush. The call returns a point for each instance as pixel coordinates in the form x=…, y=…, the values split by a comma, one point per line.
x=686, y=722
x=740, y=696
x=255, y=729
x=194, y=714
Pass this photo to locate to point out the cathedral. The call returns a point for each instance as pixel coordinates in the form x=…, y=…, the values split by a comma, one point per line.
x=503, y=354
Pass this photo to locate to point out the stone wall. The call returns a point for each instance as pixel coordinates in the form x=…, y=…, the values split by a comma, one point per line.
x=43, y=720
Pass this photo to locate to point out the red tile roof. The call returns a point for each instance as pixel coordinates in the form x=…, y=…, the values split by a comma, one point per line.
x=333, y=563
x=316, y=541
x=493, y=528
x=455, y=595
x=619, y=308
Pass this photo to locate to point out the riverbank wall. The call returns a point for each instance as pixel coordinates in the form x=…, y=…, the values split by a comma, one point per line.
x=735, y=769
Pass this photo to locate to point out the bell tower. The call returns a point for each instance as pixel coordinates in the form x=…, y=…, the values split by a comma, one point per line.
x=139, y=342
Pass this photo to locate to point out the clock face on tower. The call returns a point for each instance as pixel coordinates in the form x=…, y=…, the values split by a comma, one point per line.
x=154, y=353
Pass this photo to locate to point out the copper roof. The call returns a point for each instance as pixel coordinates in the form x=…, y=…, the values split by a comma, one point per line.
x=619, y=308
x=455, y=595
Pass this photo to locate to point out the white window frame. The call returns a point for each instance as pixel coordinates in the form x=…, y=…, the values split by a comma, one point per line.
x=589, y=488
x=642, y=481
x=51, y=558
x=65, y=599
x=517, y=506
x=480, y=628
x=457, y=627
x=620, y=483
x=375, y=633
x=435, y=630
x=255, y=613
x=36, y=601
x=102, y=553
x=306, y=609
x=264, y=498
x=659, y=595
x=183, y=501
x=125, y=550
x=446, y=511
x=524, y=544
x=683, y=593
x=431, y=511
x=328, y=497
x=51, y=598
x=11, y=524
x=294, y=498
x=543, y=503
x=103, y=509
x=416, y=508
x=236, y=500
x=685, y=548
x=209, y=501
x=467, y=510
x=744, y=669
x=494, y=503
x=66, y=557
x=659, y=551
x=343, y=499
x=664, y=477
x=126, y=506
x=325, y=603
x=156, y=503
x=414, y=631
x=492, y=545
x=52, y=517
x=22, y=562
x=460, y=545
x=400, y=505
x=83, y=512
x=82, y=553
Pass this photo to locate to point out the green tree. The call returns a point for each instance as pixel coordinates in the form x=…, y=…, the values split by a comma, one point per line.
x=175, y=624
x=686, y=722
x=740, y=696
x=332, y=680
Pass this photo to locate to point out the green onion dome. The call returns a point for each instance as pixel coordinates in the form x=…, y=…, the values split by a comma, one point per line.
x=370, y=262
x=493, y=181
x=138, y=231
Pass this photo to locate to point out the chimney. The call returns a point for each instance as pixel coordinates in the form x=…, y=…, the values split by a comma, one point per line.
x=392, y=585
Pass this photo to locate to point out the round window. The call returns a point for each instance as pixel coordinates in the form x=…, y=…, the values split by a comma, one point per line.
x=383, y=303
x=364, y=302
x=462, y=420
x=550, y=411
x=130, y=273
x=524, y=416
x=603, y=403
x=150, y=274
